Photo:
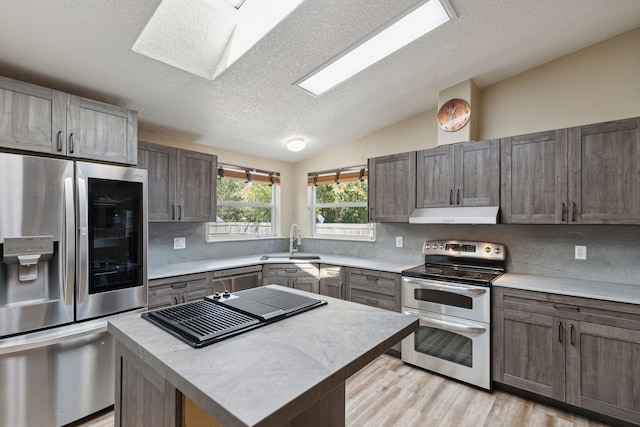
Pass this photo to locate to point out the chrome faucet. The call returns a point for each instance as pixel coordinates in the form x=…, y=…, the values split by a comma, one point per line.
x=292, y=239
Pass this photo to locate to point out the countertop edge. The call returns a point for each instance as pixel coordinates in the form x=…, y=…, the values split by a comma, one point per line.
x=606, y=291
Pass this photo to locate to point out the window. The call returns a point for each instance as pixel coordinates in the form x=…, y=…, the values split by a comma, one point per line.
x=339, y=204
x=246, y=204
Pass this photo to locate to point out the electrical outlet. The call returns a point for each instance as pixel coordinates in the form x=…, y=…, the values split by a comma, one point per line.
x=179, y=242
x=581, y=252
x=398, y=241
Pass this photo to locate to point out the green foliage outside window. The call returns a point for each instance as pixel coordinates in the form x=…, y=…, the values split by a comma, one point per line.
x=232, y=190
x=346, y=192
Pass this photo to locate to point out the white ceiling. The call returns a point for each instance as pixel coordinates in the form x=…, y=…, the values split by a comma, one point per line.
x=84, y=47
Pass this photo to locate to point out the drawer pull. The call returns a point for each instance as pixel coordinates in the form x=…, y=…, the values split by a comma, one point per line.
x=291, y=270
x=179, y=285
x=371, y=301
x=332, y=273
x=566, y=307
x=372, y=279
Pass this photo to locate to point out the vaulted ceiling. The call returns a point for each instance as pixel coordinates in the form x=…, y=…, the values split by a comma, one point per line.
x=84, y=47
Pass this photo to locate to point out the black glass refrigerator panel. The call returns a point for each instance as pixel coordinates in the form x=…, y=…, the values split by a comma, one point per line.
x=115, y=235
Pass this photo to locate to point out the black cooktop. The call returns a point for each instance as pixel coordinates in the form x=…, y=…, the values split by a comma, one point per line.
x=222, y=316
x=454, y=273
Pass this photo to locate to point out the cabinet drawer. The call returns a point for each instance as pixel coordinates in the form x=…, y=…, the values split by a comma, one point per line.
x=569, y=307
x=373, y=299
x=287, y=270
x=176, y=290
x=375, y=281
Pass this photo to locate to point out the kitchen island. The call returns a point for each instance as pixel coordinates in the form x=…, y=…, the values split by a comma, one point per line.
x=289, y=373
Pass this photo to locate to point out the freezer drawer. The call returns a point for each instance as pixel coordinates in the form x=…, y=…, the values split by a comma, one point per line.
x=55, y=377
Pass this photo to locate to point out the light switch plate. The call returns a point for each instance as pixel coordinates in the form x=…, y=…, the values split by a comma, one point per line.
x=179, y=242
x=398, y=241
x=581, y=252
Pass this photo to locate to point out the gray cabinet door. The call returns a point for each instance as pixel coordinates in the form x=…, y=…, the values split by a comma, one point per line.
x=603, y=369
x=32, y=118
x=196, y=184
x=392, y=187
x=534, y=178
x=604, y=167
x=332, y=278
x=435, y=177
x=532, y=353
x=160, y=162
x=477, y=173
x=101, y=131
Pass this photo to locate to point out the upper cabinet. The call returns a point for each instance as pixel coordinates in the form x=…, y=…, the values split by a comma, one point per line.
x=182, y=183
x=459, y=175
x=34, y=118
x=392, y=187
x=604, y=165
x=581, y=175
x=534, y=178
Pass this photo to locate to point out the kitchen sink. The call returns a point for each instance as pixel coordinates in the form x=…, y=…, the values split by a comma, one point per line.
x=292, y=257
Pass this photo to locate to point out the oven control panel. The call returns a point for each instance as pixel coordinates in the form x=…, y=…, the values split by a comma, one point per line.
x=465, y=249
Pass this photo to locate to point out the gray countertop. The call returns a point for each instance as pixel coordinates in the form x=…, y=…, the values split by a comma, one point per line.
x=619, y=292
x=169, y=270
x=274, y=372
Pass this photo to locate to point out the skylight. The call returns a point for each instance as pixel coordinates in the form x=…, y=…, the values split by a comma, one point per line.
x=393, y=37
x=205, y=37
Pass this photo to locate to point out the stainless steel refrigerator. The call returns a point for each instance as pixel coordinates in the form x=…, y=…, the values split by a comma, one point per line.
x=73, y=242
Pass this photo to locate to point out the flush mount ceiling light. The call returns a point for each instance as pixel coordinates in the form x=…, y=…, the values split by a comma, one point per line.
x=404, y=30
x=296, y=144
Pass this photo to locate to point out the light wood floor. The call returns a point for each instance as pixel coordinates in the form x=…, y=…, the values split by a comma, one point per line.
x=389, y=393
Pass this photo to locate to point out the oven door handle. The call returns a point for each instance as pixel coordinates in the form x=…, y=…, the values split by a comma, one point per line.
x=448, y=326
x=462, y=290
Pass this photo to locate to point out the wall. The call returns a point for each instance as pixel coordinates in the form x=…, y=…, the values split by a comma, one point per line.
x=596, y=84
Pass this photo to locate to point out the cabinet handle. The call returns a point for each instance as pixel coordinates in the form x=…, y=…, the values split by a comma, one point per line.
x=173, y=212
x=179, y=213
x=71, y=143
x=451, y=197
x=571, y=333
x=183, y=300
x=371, y=301
x=59, y=141
x=458, y=197
x=332, y=273
x=573, y=212
x=178, y=285
x=563, y=214
x=566, y=307
x=372, y=279
x=176, y=300
x=291, y=270
x=371, y=214
x=341, y=288
x=560, y=331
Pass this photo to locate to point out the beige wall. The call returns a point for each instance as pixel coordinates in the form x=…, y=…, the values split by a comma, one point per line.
x=596, y=84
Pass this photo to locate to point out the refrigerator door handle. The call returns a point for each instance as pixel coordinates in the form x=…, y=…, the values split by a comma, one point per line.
x=83, y=241
x=70, y=252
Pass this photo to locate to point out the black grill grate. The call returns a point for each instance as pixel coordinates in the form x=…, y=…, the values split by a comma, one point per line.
x=201, y=321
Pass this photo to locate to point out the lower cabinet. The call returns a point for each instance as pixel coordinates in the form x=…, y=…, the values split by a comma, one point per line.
x=579, y=351
x=332, y=281
x=177, y=290
x=375, y=288
x=303, y=276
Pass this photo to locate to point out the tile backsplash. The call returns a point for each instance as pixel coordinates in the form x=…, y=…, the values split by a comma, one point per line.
x=613, y=251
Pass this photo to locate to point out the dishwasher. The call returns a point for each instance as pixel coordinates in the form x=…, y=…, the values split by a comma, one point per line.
x=237, y=279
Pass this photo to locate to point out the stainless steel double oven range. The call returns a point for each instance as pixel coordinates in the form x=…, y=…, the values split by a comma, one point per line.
x=451, y=295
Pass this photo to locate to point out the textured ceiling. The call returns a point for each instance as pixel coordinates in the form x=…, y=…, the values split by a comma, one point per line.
x=84, y=47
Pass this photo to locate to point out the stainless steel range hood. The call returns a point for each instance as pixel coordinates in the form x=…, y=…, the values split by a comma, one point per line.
x=458, y=215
